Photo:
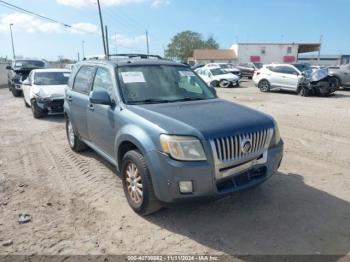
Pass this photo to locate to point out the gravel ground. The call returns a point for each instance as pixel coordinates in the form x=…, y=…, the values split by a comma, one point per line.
x=77, y=205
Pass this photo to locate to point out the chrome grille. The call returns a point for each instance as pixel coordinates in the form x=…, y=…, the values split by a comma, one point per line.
x=229, y=148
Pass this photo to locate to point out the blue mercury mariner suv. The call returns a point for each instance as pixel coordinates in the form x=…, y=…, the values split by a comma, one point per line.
x=167, y=133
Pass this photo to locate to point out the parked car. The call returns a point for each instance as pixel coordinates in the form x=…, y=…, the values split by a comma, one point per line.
x=248, y=69
x=18, y=71
x=226, y=67
x=216, y=77
x=341, y=74
x=44, y=91
x=166, y=132
x=70, y=67
x=300, y=78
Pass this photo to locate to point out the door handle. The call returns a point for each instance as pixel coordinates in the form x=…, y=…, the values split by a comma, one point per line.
x=69, y=98
x=91, y=107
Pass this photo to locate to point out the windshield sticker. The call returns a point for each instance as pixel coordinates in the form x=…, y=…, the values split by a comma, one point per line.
x=66, y=74
x=186, y=73
x=133, y=77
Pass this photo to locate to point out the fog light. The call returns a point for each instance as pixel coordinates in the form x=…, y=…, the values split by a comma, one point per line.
x=186, y=187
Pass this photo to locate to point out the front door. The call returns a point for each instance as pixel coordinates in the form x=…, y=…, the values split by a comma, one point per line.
x=101, y=119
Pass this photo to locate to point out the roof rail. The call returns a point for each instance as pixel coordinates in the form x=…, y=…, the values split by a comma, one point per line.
x=141, y=56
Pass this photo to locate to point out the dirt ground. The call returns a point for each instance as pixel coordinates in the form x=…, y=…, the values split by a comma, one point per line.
x=78, y=207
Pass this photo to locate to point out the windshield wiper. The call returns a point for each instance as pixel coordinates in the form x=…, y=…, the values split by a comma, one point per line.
x=149, y=101
x=188, y=99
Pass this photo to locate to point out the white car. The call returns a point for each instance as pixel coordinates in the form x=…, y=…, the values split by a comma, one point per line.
x=298, y=77
x=226, y=67
x=44, y=89
x=217, y=77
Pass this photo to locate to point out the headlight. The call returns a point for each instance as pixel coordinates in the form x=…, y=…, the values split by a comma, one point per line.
x=183, y=148
x=276, y=138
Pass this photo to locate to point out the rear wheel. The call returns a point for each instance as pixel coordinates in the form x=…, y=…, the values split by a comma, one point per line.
x=137, y=184
x=264, y=86
x=73, y=140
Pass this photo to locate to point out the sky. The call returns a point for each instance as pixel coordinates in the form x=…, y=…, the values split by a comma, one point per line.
x=228, y=21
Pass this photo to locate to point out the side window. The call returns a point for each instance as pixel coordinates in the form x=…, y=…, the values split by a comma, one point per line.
x=289, y=70
x=103, y=81
x=83, y=79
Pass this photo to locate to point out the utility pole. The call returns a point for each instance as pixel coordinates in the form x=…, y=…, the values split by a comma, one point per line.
x=83, y=48
x=13, y=46
x=107, y=45
x=147, y=41
x=102, y=31
x=319, y=51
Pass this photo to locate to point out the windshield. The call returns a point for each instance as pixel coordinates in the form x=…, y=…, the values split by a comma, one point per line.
x=303, y=67
x=258, y=65
x=29, y=63
x=217, y=71
x=161, y=84
x=51, y=78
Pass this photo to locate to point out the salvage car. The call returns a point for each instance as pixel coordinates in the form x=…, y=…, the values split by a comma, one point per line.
x=299, y=78
x=19, y=71
x=226, y=67
x=44, y=91
x=341, y=74
x=248, y=69
x=216, y=77
x=169, y=136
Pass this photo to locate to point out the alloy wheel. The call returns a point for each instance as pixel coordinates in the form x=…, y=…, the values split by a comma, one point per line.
x=71, y=135
x=134, y=183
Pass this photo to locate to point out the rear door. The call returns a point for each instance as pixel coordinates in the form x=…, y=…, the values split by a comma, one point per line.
x=101, y=119
x=277, y=76
x=78, y=99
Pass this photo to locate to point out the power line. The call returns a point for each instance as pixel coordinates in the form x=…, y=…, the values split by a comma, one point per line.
x=17, y=8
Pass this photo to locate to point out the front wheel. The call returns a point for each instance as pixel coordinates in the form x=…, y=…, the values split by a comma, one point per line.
x=304, y=92
x=137, y=184
x=224, y=83
x=15, y=92
x=264, y=86
x=37, y=111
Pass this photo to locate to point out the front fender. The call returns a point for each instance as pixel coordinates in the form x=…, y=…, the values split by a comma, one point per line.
x=135, y=135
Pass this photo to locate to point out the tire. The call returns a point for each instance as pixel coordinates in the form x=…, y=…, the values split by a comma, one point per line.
x=15, y=92
x=37, y=111
x=137, y=184
x=304, y=92
x=73, y=140
x=264, y=85
x=224, y=83
x=334, y=82
x=215, y=83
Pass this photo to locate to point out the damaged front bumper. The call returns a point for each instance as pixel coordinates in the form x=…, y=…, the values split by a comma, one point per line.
x=50, y=106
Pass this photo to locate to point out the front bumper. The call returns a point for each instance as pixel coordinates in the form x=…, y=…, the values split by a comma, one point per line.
x=166, y=174
x=52, y=106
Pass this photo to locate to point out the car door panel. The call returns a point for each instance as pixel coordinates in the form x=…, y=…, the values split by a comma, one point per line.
x=102, y=122
x=78, y=99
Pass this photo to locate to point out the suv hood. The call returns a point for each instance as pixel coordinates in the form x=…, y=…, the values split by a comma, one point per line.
x=316, y=74
x=52, y=91
x=211, y=118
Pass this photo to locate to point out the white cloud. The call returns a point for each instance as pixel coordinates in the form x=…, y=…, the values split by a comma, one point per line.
x=83, y=3
x=29, y=24
x=126, y=41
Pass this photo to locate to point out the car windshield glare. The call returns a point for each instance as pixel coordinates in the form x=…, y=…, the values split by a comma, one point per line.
x=153, y=84
x=51, y=78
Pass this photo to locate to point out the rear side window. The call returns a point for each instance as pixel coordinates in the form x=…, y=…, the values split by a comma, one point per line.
x=83, y=79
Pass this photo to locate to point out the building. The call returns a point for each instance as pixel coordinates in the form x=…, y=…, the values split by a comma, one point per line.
x=267, y=53
x=204, y=56
x=326, y=60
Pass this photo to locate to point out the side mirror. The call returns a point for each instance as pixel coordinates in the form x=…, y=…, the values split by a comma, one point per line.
x=8, y=67
x=100, y=98
x=26, y=82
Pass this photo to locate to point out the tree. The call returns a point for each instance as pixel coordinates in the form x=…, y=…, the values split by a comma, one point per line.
x=182, y=45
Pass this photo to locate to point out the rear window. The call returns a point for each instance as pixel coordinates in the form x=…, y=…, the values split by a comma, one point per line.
x=29, y=64
x=83, y=79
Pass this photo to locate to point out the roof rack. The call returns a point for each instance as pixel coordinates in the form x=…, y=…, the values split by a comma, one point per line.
x=141, y=56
